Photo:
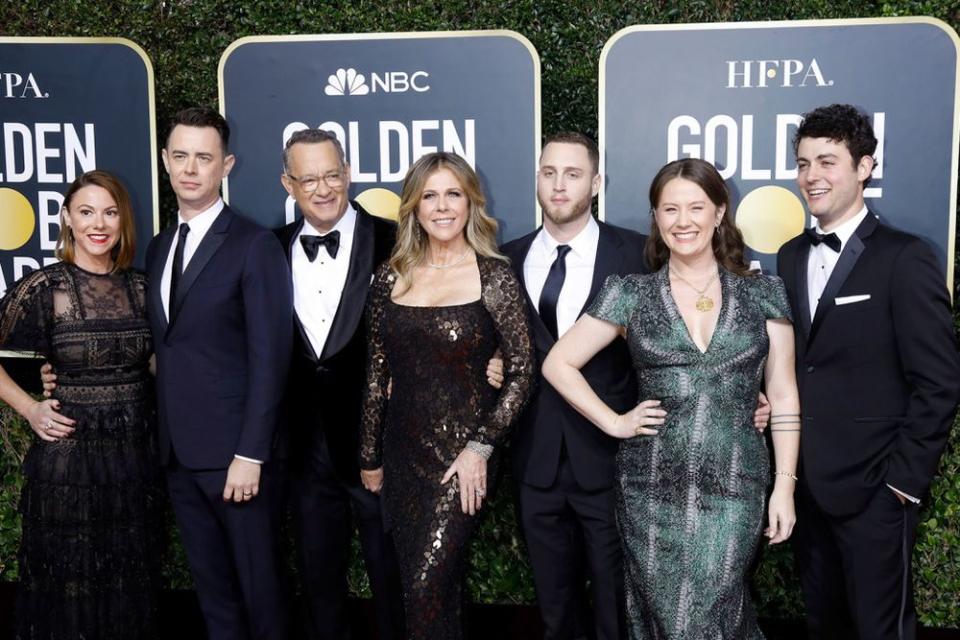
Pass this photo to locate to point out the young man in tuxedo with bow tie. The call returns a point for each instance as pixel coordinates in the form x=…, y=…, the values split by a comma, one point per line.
x=332, y=252
x=879, y=380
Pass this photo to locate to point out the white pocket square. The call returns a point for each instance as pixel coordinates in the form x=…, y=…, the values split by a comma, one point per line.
x=851, y=299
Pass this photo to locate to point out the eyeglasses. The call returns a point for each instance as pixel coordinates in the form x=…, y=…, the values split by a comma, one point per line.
x=309, y=184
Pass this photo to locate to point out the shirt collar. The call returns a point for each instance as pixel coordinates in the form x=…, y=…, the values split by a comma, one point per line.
x=201, y=223
x=345, y=225
x=848, y=228
x=581, y=244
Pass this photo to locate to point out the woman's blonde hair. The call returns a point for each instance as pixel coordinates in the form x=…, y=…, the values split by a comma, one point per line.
x=124, y=251
x=412, y=242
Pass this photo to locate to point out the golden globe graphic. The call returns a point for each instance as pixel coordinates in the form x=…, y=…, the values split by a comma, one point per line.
x=768, y=217
x=17, y=219
x=380, y=202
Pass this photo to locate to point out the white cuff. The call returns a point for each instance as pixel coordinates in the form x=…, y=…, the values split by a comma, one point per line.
x=246, y=459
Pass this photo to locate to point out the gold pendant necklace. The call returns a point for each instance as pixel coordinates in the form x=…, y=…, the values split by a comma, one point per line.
x=704, y=302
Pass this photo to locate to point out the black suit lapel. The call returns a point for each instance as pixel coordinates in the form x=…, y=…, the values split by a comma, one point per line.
x=800, y=284
x=849, y=256
x=208, y=246
x=354, y=296
x=164, y=240
x=608, y=261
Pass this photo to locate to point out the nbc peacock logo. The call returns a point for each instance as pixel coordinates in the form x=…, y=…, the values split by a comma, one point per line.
x=346, y=82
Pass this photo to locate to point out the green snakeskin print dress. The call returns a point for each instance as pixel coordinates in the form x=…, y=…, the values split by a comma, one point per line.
x=690, y=501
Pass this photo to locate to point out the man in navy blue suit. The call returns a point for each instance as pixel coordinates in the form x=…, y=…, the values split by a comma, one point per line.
x=219, y=305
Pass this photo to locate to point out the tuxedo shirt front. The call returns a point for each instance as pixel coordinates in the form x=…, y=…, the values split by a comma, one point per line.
x=199, y=226
x=822, y=259
x=318, y=285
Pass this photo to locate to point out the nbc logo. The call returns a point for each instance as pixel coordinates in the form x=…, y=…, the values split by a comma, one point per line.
x=346, y=82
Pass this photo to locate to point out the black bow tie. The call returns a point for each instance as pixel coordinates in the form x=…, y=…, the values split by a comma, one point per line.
x=311, y=244
x=829, y=239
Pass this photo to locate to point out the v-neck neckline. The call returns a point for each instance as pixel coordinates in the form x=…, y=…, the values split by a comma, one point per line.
x=665, y=270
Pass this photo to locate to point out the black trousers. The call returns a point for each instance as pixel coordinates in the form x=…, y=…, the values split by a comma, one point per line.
x=571, y=534
x=855, y=571
x=233, y=551
x=324, y=509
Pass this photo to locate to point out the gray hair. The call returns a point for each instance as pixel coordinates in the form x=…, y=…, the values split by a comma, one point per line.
x=312, y=136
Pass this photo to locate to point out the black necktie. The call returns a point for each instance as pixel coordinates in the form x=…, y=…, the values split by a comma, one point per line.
x=311, y=244
x=547, y=306
x=177, y=269
x=829, y=239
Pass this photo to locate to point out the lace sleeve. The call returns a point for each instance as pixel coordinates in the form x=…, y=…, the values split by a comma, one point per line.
x=378, y=372
x=25, y=314
x=504, y=301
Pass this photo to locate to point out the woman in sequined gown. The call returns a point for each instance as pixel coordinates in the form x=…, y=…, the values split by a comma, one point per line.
x=692, y=472
x=437, y=312
x=91, y=504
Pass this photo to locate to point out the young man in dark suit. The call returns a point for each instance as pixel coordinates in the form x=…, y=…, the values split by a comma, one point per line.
x=879, y=380
x=220, y=311
x=564, y=465
x=332, y=252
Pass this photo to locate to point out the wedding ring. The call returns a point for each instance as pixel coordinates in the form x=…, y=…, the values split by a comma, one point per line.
x=48, y=426
x=480, y=492
x=246, y=493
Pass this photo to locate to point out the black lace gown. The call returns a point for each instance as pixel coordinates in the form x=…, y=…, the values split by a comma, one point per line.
x=440, y=400
x=91, y=505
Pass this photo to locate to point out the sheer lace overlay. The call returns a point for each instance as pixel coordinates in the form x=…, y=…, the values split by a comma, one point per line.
x=91, y=504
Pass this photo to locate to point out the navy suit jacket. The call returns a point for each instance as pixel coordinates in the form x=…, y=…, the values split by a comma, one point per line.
x=549, y=420
x=222, y=363
x=879, y=379
x=325, y=390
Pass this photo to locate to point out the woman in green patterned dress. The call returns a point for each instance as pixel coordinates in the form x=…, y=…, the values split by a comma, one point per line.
x=692, y=472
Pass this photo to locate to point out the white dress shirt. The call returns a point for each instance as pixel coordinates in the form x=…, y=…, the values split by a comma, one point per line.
x=199, y=226
x=823, y=259
x=318, y=285
x=579, y=277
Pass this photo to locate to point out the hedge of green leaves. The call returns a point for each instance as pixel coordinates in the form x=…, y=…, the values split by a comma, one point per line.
x=184, y=39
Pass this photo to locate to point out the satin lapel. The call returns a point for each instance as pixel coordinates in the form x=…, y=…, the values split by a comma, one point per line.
x=607, y=262
x=541, y=334
x=208, y=246
x=155, y=277
x=288, y=249
x=354, y=296
x=802, y=306
x=848, y=259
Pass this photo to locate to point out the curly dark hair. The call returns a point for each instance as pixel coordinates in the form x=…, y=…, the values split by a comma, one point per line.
x=728, y=245
x=840, y=123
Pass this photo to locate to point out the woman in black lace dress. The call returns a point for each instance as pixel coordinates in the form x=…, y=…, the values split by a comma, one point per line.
x=437, y=312
x=91, y=503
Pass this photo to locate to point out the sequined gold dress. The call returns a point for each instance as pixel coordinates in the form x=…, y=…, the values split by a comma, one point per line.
x=92, y=503
x=690, y=501
x=440, y=400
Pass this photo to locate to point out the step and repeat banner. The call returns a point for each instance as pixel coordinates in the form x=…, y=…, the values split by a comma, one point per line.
x=732, y=94
x=70, y=105
x=390, y=99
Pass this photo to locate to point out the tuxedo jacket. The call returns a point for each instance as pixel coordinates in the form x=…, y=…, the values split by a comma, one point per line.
x=325, y=390
x=222, y=363
x=549, y=420
x=878, y=373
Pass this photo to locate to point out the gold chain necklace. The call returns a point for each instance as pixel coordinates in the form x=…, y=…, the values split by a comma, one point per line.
x=449, y=264
x=704, y=302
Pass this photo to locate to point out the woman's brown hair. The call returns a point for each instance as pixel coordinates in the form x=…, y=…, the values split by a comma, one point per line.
x=728, y=245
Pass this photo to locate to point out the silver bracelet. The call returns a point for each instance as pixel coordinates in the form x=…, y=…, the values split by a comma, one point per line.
x=482, y=450
x=786, y=474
